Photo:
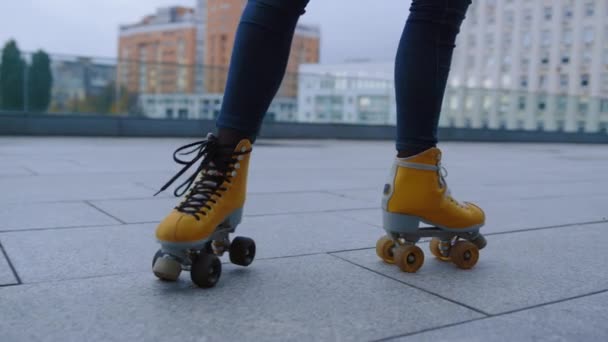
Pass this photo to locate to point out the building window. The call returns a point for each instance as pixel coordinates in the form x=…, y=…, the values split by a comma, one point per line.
x=541, y=106
x=509, y=17
x=604, y=106
x=588, y=35
x=546, y=38
x=522, y=103
x=524, y=81
x=587, y=53
x=527, y=39
x=527, y=16
x=589, y=8
x=563, y=80
x=548, y=11
x=542, y=81
x=182, y=113
x=567, y=38
x=565, y=59
x=584, y=80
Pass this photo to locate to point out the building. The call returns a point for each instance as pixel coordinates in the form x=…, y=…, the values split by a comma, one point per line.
x=158, y=54
x=206, y=106
x=519, y=64
x=181, y=50
x=76, y=79
x=356, y=92
x=532, y=64
x=219, y=21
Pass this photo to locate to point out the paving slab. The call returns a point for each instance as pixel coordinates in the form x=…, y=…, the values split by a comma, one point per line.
x=515, y=270
x=7, y=277
x=309, y=298
x=51, y=215
x=582, y=319
x=155, y=209
x=90, y=279
x=129, y=248
x=53, y=188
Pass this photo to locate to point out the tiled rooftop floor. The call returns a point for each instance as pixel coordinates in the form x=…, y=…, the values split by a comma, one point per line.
x=77, y=219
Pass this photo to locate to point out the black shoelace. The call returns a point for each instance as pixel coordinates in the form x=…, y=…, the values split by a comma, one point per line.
x=215, y=168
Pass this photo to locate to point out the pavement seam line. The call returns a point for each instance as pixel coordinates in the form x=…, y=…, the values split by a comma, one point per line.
x=493, y=316
x=104, y=212
x=39, y=229
x=479, y=311
x=566, y=225
x=9, y=285
x=10, y=265
x=33, y=173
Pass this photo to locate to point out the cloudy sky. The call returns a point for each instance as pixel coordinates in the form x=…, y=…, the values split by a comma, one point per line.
x=350, y=28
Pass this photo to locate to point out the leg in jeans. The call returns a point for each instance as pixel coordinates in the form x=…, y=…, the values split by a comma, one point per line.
x=259, y=59
x=421, y=70
x=215, y=192
x=417, y=190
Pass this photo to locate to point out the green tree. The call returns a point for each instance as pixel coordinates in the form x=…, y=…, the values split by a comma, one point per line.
x=39, y=82
x=12, y=72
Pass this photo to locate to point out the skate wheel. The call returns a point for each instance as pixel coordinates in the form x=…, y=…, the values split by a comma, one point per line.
x=434, y=247
x=384, y=249
x=206, y=270
x=242, y=251
x=464, y=254
x=159, y=253
x=479, y=241
x=166, y=268
x=409, y=258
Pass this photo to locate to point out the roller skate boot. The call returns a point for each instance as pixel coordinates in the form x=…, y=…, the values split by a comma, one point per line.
x=416, y=193
x=196, y=232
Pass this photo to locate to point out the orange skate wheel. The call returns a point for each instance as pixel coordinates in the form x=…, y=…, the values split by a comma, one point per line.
x=384, y=249
x=409, y=258
x=434, y=247
x=464, y=254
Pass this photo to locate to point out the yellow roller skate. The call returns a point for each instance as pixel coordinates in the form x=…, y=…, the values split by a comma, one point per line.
x=417, y=192
x=196, y=232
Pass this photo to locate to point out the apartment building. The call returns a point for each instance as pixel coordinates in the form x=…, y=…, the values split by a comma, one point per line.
x=158, y=53
x=220, y=19
x=531, y=64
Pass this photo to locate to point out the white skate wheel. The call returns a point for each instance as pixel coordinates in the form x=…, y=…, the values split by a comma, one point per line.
x=167, y=269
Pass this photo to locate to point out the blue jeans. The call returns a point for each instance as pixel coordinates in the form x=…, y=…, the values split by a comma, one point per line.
x=422, y=65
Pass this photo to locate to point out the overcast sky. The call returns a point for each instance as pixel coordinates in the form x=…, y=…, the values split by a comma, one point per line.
x=350, y=28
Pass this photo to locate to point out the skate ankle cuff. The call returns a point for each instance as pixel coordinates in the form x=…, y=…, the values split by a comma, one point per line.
x=417, y=166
